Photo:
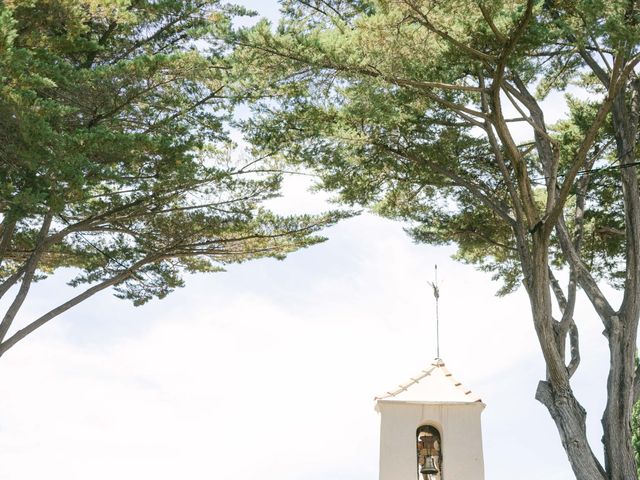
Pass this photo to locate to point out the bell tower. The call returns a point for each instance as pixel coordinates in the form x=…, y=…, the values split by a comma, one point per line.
x=430, y=429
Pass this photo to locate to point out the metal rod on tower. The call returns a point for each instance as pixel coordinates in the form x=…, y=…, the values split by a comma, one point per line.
x=436, y=294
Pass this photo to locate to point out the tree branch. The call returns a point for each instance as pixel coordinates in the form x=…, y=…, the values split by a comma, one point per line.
x=371, y=71
x=595, y=68
x=519, y=166
x=567, y=324
x=487, y=199
x=27, y=279
x=423, y=19
x=51, y=314
x=501, y=37
x=7, y=229
x=11, y=280
x=600, y=303
x=617, y=84
x=574, y=342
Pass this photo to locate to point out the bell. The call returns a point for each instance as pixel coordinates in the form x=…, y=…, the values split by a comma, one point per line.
x=429, y=467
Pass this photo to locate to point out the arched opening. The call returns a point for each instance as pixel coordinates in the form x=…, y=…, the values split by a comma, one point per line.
x=429, y=453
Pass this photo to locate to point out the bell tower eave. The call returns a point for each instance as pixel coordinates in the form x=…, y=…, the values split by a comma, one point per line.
x=430, y=427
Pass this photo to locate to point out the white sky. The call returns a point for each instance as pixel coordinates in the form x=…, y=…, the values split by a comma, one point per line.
x=269, y=370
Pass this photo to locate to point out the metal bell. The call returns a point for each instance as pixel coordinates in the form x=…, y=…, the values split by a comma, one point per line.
x=429, y=467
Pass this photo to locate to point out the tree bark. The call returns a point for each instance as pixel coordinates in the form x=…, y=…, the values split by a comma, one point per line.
x=570, y=417
x=616, y=420
x=7, y=229
x=30, y=270
x=556, y=393
x=51, y=314
x=623, y=327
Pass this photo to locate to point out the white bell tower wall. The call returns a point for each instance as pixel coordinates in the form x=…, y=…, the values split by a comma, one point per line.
x=460, y=430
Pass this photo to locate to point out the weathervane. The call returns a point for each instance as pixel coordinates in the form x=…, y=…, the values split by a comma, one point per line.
x=436, y=294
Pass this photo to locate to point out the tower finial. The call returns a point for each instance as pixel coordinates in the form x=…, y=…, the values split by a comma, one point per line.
x=436, y=294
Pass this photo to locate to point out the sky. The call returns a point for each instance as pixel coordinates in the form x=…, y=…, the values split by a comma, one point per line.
x=270, y=369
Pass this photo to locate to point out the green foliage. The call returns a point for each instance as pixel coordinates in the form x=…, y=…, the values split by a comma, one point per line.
x=432, y=112
x=352, y=89
x=112, y=117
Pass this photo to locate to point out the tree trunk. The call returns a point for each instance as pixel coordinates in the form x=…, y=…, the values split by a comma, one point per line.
x=569, y=417
x=621, y=329
x=616, y=421
x=555, y=393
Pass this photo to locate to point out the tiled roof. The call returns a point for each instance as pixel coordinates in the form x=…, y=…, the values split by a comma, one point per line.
x=433, y=385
